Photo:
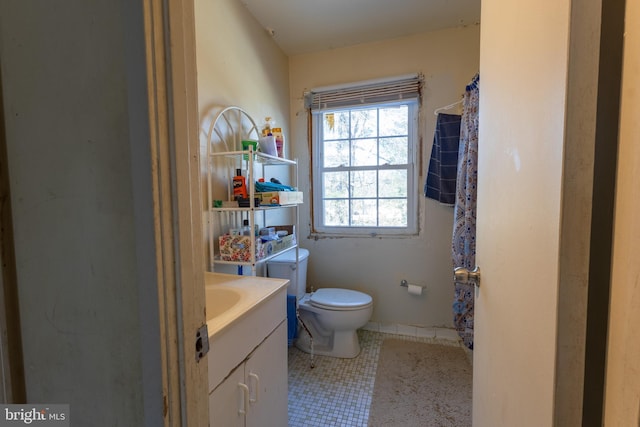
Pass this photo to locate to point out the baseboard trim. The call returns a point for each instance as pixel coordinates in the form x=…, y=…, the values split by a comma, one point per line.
x=413, y=331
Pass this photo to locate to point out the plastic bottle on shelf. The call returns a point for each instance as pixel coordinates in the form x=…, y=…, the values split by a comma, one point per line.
x=239, y=185
x=246, y=230
x=277, y=132
x=266, y=128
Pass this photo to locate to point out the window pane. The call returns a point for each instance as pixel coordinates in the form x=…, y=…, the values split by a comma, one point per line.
x=393, y=183
x=394, y=121
x=336, y=184
x=363, y=184
x=364, y=152
x=393, y=213
x=336, y=212
x=336, y=125
x=394, y=151
x=365, y=158
x=364, y=123
x=363, y=213
x=336, y=153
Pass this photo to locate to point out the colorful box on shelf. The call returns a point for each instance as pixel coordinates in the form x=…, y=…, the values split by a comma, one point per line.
x=238, y=248
x=281, y=197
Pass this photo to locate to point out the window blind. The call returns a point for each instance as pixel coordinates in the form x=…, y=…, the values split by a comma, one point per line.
x=365, y=93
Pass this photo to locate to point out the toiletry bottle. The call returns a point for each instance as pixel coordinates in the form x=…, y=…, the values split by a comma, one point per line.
x=277, y=132
x=239, y=185
x=246, y=230
x=266, y=128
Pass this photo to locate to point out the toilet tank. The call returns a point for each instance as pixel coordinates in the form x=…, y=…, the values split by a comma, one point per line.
x=283, y=266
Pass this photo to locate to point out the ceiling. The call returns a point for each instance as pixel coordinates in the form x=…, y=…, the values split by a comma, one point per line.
x=304, y=26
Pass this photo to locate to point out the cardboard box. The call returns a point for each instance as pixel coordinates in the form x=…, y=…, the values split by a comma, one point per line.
x=290, y=229
x=286, y=241
x=281, y=197
x=238, y=248
x=283, y=243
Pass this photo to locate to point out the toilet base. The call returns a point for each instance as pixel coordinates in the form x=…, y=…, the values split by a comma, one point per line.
x=342, y=344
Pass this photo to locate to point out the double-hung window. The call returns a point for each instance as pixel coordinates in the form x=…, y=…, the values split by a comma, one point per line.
x=365, y=144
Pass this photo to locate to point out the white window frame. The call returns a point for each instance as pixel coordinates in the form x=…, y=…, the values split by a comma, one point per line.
x=318, y=227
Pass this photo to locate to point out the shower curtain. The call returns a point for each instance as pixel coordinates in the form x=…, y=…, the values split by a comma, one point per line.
x=463, y=243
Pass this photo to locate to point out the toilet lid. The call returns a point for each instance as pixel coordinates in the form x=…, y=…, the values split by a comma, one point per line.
x=339, y=299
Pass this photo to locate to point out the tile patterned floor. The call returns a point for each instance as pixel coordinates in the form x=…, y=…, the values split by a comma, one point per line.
x=337, y=392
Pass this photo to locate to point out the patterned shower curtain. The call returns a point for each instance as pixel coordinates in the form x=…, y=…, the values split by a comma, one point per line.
x=464, y=226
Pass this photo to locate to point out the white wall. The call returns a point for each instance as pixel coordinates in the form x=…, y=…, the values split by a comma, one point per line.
x=64, y=76
x=448, y=59
x=240, y=65
x=622, y=406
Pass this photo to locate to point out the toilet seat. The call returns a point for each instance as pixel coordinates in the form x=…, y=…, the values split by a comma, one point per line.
x=339, y=299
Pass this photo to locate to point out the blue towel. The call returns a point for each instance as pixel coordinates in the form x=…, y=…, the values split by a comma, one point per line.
x=443, y=166
x=263, y=187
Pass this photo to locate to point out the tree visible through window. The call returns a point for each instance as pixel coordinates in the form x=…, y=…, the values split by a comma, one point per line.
x=364, y=180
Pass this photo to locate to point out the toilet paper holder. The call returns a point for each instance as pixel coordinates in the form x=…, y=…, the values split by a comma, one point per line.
x=405, y=284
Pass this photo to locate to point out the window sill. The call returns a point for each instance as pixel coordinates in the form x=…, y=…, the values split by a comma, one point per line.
x=319, y=236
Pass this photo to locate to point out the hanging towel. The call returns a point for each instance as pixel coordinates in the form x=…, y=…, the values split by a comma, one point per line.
x=441, y=177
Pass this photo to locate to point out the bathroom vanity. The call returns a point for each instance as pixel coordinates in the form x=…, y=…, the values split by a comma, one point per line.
x=246, y=318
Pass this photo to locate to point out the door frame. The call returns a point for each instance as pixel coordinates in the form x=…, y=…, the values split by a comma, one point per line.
x=593, y=92
x=175, y=170
x=174, y=20
x=607, y=137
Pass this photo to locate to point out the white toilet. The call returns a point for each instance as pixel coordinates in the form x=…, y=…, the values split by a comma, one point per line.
x=332, y=315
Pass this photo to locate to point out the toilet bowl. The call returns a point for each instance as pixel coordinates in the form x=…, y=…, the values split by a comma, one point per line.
x=333, y=316
x=329, y=317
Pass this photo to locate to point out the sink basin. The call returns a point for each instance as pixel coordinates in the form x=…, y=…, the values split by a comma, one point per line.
x=219, y=300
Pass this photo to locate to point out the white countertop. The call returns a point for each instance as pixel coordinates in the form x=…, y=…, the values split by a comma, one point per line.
x=253, y=291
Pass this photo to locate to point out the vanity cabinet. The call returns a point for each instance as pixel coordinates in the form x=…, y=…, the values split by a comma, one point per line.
x=247, y=360
x=255, y=393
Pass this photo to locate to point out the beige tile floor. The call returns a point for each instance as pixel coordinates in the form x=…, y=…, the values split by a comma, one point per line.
x=337, y=392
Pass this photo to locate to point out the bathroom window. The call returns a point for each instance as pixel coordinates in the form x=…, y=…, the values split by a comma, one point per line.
x=364, y=153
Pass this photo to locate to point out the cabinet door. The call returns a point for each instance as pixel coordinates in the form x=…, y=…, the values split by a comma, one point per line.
x=266, y=376
x=226, y=401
